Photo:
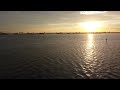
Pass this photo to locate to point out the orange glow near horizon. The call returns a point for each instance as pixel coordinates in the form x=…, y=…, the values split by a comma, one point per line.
x=92, y=26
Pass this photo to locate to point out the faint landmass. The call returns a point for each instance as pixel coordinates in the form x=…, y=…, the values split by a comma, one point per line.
x=28, y=33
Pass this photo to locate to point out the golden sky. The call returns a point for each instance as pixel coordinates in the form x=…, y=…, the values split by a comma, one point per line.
x=59, y=21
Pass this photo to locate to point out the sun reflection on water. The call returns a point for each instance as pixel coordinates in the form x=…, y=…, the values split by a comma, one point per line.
x=90, y=41
x=90, y=59
x=89, y=47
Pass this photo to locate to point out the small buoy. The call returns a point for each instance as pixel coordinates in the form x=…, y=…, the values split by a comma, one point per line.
x=106, y=39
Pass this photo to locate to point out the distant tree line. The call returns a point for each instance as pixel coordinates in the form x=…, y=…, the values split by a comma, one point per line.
x=22, y=33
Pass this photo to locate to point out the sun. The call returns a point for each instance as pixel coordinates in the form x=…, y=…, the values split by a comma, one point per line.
x=91, y=26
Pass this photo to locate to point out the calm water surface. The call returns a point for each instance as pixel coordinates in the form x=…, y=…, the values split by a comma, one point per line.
x=60, y=56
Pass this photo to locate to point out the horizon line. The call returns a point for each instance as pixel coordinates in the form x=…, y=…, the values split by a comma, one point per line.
x=2, y=33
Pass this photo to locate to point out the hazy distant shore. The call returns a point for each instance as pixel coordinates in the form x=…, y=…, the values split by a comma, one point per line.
x=21, y=33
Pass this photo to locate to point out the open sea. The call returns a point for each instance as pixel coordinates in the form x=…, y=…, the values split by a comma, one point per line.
x=60, y=56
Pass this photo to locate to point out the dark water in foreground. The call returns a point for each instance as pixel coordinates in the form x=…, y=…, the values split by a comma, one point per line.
x=60, y=56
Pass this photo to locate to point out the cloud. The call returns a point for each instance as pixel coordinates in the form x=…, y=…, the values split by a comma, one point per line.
x=62, y=24
x=92, y=12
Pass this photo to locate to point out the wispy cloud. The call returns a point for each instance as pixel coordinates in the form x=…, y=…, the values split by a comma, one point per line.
x=63, y=24
x=92, y=12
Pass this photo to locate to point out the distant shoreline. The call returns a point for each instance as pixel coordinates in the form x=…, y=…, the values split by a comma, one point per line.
x=21, y=33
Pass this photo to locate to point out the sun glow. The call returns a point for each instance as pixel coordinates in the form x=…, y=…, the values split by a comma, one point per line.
x=91, y=26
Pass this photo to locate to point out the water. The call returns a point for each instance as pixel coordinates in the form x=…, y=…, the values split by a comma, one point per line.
x=60, y=56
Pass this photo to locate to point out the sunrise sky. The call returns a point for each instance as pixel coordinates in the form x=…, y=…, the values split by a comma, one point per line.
x=59, y=21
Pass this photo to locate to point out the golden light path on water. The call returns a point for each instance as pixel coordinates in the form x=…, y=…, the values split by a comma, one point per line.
x=90, y=60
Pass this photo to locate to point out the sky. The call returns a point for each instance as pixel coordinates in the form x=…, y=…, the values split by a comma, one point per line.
x=57, y=21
